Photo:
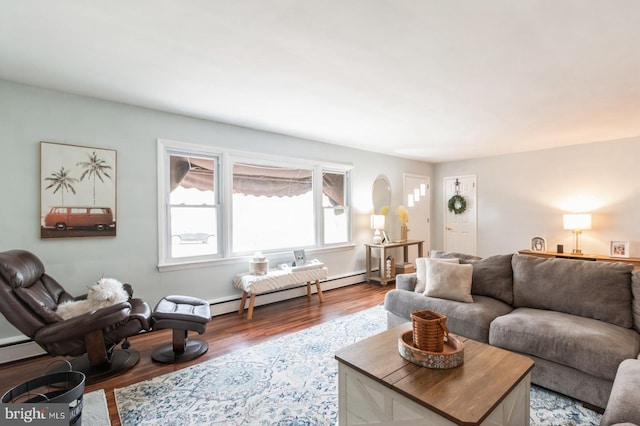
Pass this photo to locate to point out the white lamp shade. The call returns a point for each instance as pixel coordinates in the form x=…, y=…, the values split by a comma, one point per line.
x=377, y=221
x=577, y=222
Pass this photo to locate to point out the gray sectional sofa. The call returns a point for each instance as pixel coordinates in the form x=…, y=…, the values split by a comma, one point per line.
x=578, y=320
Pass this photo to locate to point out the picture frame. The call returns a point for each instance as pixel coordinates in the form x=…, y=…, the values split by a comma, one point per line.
x=538, y=244
x=300, y=257
x=78, y=191
x=619, y=249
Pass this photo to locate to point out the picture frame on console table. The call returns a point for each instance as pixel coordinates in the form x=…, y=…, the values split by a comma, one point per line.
x=538, y=244
x=619, y=249
x=300, y=257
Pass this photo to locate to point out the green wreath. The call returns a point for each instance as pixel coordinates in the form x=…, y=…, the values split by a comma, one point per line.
x=457, y=204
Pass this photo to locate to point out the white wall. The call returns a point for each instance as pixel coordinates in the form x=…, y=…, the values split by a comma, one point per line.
x=523, y=195
x=30, y=115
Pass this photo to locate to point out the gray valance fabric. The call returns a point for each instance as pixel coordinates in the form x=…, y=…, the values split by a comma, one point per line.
x=193, y=172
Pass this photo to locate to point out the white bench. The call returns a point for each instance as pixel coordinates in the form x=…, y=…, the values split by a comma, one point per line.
x=276, y=279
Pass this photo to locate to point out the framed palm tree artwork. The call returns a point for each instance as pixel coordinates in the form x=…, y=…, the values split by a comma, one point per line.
x=78, y=191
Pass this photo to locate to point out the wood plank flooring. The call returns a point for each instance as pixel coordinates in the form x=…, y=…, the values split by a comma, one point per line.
x=225, y=334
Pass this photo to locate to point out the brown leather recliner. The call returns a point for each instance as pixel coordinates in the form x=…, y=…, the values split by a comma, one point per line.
x=29, y=298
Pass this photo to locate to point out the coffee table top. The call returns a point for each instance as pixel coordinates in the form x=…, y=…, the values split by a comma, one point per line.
x=465, y=395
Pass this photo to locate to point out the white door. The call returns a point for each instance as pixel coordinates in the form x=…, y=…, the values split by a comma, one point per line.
x=417, y=200
x=460, y=232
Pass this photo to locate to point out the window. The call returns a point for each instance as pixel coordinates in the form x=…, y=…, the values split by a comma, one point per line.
x=190, y=211
x=272, y=208
x=216, y=205
x=334, y=207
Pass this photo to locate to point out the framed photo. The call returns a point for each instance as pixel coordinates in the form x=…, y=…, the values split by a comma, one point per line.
x=78, y=186
x=300, y=258
x=538, y=244
x=619, y=248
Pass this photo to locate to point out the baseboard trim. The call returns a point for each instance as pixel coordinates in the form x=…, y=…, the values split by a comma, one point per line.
x=28, y=349
x=19, y=351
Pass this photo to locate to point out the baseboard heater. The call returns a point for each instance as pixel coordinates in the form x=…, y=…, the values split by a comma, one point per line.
x=231, y=305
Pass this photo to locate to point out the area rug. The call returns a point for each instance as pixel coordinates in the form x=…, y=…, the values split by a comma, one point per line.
x=290, y=380
x=94, y=409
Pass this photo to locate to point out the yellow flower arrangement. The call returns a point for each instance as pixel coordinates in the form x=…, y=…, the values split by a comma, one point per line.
x=403, y=214
x=384, y=210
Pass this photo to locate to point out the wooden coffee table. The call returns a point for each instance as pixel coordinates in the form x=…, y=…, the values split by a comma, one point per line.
x=377, y=386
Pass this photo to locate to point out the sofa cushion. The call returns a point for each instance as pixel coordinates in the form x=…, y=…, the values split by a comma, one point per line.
x=448, y=280
x=421, y=271
x=466, y=319
x=592, y=346
x=439, y=254
x=624, y=400
x=598, y=290
x=493, y=277
x=635, y=290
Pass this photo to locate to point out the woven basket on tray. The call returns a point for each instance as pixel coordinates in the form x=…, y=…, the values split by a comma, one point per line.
x=429, y=330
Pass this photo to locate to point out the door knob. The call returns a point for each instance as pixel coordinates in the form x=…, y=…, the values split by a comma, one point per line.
x=449, y=228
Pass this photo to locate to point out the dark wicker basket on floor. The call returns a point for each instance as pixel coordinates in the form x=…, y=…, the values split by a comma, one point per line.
x=429, y=330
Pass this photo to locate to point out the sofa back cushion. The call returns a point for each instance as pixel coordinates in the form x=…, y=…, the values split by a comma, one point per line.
x=635, y=289
x=439, y=254
x=598, y=290
x=492, y=276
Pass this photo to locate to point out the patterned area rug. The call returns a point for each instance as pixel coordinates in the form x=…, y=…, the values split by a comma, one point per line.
x=94, y=409
x=291, y=380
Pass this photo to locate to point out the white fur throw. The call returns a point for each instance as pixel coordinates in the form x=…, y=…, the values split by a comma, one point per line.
x=106, y=292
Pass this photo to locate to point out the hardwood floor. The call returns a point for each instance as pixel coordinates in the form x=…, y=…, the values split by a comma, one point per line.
x=225, y=333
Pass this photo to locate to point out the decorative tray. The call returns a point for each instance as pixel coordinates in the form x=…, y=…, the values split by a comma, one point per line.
x=452, y=354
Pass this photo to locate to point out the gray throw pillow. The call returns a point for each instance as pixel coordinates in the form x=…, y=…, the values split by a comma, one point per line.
x=448, y=281
x=421, y=272
x=493, y=277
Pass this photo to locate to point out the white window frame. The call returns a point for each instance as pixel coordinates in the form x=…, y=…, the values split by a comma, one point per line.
x=226, y=158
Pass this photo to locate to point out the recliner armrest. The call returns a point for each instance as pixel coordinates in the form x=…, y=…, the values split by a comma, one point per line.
x=77, y=327
x=141, y=311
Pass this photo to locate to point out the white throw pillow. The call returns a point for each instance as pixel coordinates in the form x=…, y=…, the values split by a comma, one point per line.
x=449, y=281
x=421, y=271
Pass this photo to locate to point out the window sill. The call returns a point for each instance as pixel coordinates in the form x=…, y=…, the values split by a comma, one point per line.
x=274, y=259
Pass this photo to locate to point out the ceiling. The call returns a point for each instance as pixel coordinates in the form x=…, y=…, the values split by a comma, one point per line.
x=436, y=80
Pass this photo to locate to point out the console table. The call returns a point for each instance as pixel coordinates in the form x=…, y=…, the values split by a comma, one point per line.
x=382, y=276
x=635, y=261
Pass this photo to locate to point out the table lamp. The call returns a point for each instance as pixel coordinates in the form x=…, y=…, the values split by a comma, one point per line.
x=377, y=223
x=577, y=222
